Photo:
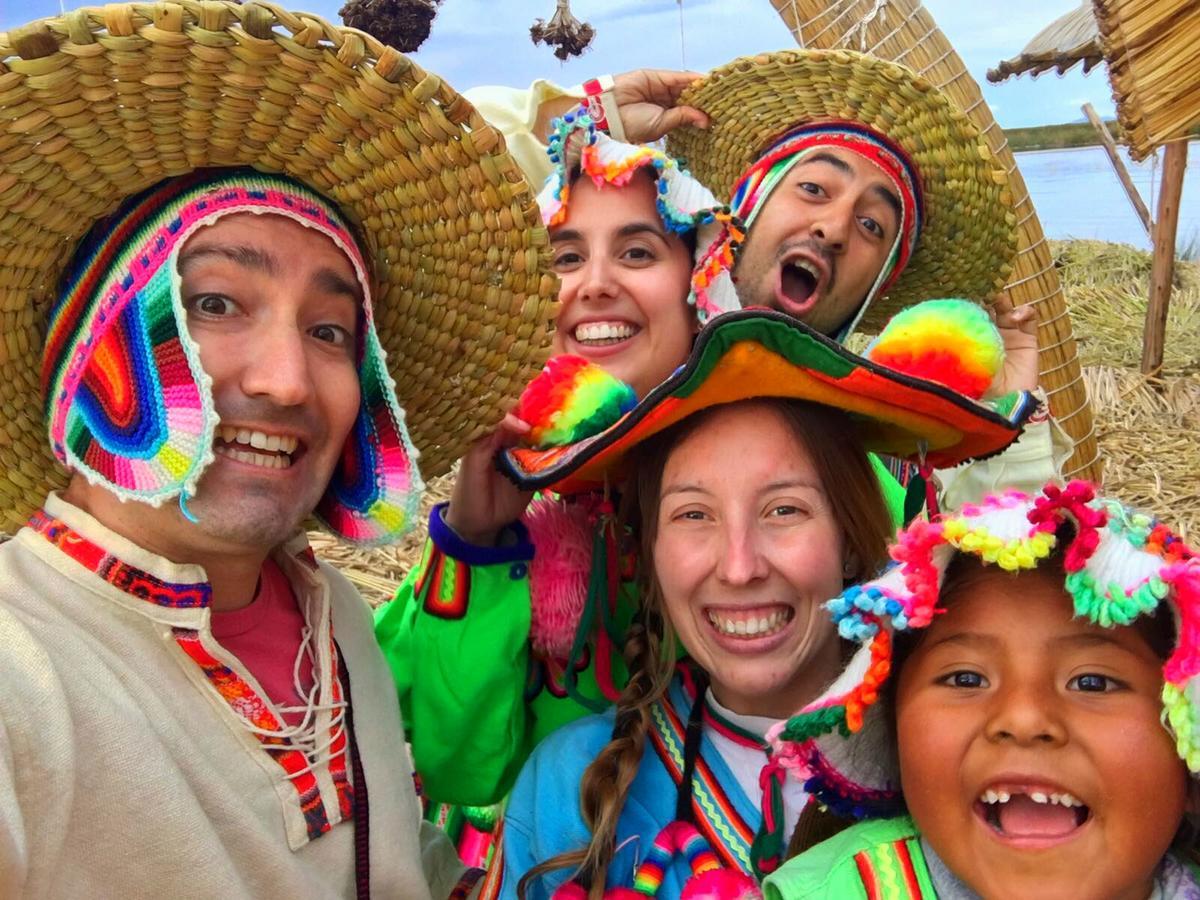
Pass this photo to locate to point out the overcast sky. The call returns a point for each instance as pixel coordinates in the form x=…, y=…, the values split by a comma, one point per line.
x=477, y=42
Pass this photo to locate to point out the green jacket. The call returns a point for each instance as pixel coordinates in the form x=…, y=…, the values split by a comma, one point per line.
x=883, y=859
x=879, y=858
x=475, y=700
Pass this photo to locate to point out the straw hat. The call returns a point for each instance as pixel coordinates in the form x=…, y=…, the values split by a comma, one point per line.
x=969, y=236
x=104, y=102
x=913, y=395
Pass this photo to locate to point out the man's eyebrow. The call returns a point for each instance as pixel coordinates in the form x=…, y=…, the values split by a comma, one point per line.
x=820, y=156
x=890, y=198
x=242, y=255
x=331, y=282
x=565, y=234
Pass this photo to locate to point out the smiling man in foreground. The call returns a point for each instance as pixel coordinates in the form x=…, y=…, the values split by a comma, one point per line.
x=192, y=705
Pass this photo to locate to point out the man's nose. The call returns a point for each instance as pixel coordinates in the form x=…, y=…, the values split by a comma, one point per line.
x=832, y=225
x=277, y=369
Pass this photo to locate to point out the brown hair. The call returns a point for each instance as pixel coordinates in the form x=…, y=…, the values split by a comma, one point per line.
x=856, y=501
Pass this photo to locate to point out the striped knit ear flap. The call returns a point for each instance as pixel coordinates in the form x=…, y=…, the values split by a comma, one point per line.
x=142, y=417
x=373, y=495
x=127, y=402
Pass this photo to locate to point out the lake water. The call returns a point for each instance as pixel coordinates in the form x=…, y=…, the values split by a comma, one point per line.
x=1077, y=195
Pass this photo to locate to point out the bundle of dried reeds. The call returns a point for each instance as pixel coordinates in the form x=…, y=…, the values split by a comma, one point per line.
x=1153, y=53
x=904, y=31
x=1071, y=38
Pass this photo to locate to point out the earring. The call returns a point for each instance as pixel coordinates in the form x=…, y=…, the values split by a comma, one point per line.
x=849, y=568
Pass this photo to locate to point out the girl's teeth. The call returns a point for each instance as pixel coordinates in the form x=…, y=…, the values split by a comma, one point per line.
x=1063, y=799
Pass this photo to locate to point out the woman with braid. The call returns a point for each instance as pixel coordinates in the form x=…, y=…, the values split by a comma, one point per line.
x=751, y=500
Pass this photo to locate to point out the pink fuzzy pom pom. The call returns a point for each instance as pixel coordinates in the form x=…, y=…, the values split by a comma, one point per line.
x=561, y=533
x=721, y=884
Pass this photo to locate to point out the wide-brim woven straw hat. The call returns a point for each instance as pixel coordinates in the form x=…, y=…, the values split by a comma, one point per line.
x=103, y=102
x=969, y=236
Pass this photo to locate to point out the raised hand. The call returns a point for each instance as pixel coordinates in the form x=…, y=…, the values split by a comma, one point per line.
x=646, y=99
x=484, y=501
x=1018, y=328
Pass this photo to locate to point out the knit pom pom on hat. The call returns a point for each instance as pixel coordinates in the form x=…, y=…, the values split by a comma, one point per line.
x=952, y=342
x=572, y=399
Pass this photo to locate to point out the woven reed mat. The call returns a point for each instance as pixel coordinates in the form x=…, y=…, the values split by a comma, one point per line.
x=106, y=101
x=904, y=31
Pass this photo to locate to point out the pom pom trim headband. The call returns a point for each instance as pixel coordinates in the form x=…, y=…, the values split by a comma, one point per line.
x=129, y=405
x=684, y=204
x=1120, y=564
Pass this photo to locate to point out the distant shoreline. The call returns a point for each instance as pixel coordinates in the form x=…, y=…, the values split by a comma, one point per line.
x=1060, y=137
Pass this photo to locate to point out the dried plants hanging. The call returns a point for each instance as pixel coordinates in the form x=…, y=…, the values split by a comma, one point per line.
x=565, y=33
x=403, y=24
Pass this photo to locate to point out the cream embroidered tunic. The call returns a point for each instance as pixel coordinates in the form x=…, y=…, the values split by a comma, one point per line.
x=126, y=765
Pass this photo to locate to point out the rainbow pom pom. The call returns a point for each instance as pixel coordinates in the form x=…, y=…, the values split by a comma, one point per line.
x=572, y=399
x=952, y=342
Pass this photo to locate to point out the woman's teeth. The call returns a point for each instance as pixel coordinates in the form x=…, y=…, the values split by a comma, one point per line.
x=604, y=332
x=753, y=626
x=278, y=447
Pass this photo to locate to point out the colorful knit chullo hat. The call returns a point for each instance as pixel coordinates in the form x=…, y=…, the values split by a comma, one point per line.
x=127, y=402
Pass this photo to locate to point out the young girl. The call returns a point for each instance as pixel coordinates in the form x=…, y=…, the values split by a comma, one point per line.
x=480, y=676
x=1041, y=646
x=747, y=506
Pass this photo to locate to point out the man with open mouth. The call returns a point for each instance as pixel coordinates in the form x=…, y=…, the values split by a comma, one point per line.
x=227, y=292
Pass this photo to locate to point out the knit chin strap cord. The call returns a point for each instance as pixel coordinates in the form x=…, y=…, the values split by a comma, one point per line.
x=903, y=31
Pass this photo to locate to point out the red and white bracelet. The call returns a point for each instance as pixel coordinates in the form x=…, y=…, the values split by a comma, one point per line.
x=601, y=104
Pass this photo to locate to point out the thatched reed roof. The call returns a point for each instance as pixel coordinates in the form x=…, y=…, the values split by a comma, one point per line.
x=1069, y=39
x=1153, y=53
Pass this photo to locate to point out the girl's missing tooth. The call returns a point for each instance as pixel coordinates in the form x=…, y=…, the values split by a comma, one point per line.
x=1036, y=648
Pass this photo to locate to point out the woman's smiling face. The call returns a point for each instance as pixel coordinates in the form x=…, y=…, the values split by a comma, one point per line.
x=746, y=550
x=1031, y=753
x=625, y=282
